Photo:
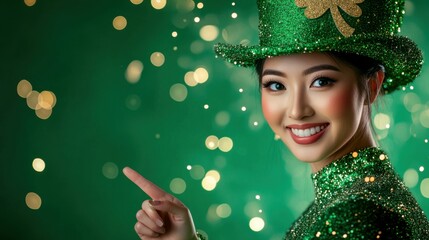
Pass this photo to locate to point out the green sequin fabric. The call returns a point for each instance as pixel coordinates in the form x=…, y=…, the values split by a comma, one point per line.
x=361, y=197
x=364, y=27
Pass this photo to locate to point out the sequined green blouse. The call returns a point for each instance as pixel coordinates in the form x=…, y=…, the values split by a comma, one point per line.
x=360, y=196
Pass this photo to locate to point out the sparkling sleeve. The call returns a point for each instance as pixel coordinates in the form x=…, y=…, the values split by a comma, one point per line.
x=359, y=219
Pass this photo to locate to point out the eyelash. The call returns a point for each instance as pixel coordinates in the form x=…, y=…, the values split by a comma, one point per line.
x=269, y=83
x=329, y=80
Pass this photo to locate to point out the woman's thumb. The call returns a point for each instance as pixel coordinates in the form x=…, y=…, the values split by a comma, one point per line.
x=179, y=212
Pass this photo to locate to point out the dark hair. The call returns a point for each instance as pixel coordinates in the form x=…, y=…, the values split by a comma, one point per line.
x=366, y=67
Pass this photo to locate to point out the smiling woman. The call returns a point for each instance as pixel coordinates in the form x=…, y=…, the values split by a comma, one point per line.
x=319, y=75
x=307, y=97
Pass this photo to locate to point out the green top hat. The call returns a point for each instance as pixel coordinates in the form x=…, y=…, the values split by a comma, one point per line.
x=363, y=27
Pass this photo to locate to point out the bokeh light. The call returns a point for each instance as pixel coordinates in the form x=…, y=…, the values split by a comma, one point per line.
x=197, y=172
x=223, y=210
x=225, y=144
x=252, y=208
x=24, y=88
x=185, y=5
x=256, y=224
x=212, y=142
x=209, y=183
x=110, y=170
x=411, y=101
x=178, y=185
x=190, y=79
x=212, y=215
x=201, y=75
x=133, y=102
x=411, y=178
x=381, y=121
x=209, y=33
x=424, y=118
x=30, y=3
x=134, y=71
x=158, y=4
x=47, y=100
x=43, y=113
x=38, y=165
x=157, y=59
x=42, y=102
x=214, y=174
x=119, y=23
x=136, y=2
x=222, y=118
x=178, y=92
x=33, y=200
x=424, y=187
x=33, y=99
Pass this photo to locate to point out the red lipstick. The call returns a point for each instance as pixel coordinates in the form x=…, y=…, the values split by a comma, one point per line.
x=307, y=133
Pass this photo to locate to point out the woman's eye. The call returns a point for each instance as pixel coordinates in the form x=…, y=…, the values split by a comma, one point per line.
x=322, y=82
x=274, y=86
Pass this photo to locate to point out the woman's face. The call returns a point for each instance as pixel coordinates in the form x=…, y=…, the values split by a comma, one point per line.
x=312, y=102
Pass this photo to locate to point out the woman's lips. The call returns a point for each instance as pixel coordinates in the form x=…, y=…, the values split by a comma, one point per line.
x=307, y=133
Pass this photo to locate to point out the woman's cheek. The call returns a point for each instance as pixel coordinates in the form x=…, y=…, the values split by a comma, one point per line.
x=339, y=104
x=268, y=109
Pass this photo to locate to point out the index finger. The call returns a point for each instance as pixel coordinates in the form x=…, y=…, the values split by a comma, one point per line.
x=147, y=186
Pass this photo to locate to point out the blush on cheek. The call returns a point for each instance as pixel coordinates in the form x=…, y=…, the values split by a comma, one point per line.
x=264, y=105
x=340, y=103
x=266, y=109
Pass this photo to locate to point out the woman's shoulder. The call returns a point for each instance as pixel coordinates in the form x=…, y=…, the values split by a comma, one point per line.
x=357, y=216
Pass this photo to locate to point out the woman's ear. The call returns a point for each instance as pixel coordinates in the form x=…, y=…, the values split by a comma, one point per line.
x=374, y=84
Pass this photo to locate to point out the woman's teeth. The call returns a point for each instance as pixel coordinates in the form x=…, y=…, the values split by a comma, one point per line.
x=307, y=132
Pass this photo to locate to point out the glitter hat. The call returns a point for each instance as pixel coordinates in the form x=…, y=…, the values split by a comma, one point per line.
x=364, y=27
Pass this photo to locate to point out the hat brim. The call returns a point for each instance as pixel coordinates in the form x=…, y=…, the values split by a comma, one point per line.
x=400, y=56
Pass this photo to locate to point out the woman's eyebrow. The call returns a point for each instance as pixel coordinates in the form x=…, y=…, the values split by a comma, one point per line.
x=273, y=72
x=306, y=72
x=319, y=68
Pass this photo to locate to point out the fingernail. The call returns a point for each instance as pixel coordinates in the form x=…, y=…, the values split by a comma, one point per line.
x=155, y=202
x=159, y=223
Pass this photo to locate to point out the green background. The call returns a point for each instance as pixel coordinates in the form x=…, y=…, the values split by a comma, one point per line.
x=101, y=121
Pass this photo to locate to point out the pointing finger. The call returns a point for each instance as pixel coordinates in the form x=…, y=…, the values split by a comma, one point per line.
x=147, y=186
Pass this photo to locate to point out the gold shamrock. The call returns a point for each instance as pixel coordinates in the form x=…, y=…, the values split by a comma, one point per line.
x=316, y=8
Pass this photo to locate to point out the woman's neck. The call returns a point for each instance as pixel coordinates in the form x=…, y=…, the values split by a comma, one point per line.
x=362, y=139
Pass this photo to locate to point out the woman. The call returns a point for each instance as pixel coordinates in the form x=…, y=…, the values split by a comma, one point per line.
x=320, y=69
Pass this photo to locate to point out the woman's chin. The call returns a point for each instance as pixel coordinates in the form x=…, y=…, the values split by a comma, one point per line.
x=309, y=153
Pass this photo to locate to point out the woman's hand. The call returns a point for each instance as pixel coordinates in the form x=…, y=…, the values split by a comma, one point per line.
x=163, y=217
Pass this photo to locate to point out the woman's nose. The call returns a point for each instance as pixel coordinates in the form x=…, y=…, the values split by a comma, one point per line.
x=299, y=107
